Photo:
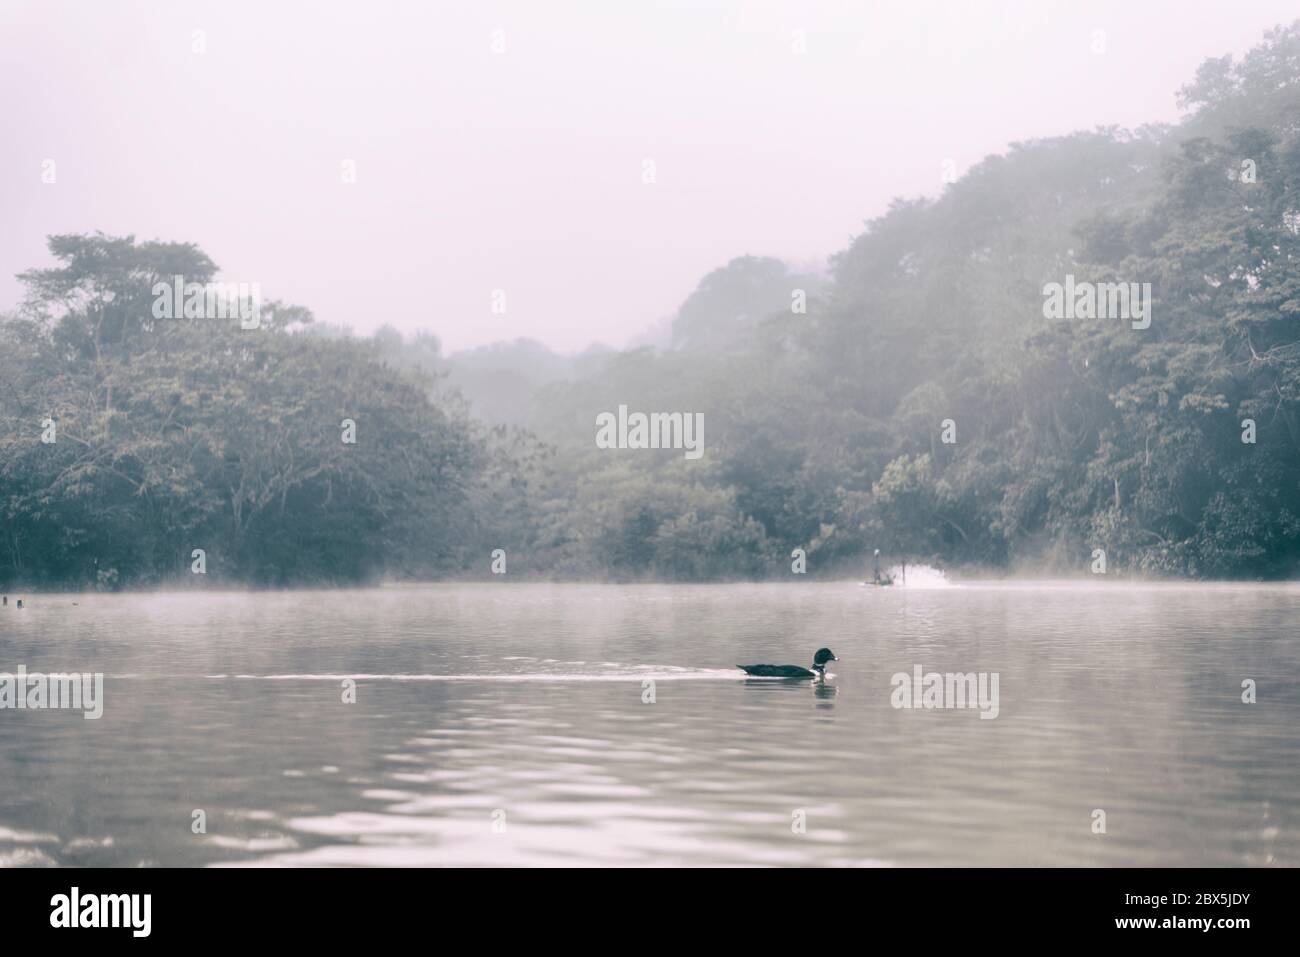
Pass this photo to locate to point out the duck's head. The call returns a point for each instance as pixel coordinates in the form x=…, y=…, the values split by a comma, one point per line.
x=823, y=655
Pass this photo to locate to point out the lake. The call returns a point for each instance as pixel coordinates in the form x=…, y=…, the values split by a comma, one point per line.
x=519, y=724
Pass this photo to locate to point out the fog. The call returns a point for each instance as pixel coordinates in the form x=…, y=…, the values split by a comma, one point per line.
x=995, y=291
x=520, y=168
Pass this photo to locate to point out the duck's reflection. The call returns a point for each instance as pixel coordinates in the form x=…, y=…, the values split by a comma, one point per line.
x=823, y=691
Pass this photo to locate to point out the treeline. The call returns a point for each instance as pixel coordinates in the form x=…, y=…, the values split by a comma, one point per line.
x=1172, y=448
x=920, y=403
x=128, y=442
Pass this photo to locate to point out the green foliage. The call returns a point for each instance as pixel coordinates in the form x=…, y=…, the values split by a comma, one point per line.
x=823, y=429
x=181, y=434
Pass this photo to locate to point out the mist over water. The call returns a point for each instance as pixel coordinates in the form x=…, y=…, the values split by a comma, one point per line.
x=528, y=700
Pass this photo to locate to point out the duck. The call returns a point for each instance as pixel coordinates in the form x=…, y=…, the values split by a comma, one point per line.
x=793, y=671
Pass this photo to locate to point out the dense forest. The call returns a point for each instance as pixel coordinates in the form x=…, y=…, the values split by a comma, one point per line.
x=922, y=402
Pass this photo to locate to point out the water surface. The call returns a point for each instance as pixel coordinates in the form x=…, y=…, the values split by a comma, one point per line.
x=507, y=724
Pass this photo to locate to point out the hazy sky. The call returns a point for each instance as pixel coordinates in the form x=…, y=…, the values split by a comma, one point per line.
x=522, y=170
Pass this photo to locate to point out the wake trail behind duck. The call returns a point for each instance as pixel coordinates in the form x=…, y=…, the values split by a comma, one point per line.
x=655, y=674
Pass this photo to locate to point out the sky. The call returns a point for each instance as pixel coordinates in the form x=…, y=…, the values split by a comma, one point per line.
x=565, y=172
